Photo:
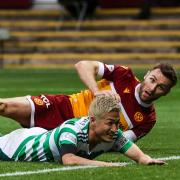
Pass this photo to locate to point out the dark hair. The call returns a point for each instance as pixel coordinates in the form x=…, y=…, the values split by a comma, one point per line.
x=168, y=71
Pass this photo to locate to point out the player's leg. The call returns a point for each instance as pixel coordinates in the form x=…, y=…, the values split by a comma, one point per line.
x=17, y=108
x=11, y=144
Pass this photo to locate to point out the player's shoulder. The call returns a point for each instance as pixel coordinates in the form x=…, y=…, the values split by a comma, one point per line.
x=123, y=68
x=76, y=124
x=127, y=72
x=111, y=67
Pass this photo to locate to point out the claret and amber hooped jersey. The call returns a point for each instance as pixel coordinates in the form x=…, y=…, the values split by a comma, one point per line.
x=135, y=115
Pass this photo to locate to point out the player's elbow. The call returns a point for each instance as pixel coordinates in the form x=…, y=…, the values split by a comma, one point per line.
x=79, y=65
x=69, y=159
x=83, y=67
x=86, y=66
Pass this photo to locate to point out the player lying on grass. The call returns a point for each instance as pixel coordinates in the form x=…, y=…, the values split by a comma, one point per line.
x=137, y=117
x=76, y=141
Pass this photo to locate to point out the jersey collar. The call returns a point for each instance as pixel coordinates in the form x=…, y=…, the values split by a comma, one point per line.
x=136, y=93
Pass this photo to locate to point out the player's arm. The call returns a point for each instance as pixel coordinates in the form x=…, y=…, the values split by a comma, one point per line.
x=88, y=71
x=69, y=157
x=132, y=151
x=137, y=155
x=72, y=159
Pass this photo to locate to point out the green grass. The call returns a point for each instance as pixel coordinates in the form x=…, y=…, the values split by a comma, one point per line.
x=162, y=141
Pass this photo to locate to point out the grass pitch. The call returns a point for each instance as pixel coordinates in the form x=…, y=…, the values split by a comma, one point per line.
x=162, y=141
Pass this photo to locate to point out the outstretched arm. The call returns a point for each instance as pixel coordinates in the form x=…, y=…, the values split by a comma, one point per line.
x=137, y=155
x=133, y=153
x=72, y=159
x=69, y=157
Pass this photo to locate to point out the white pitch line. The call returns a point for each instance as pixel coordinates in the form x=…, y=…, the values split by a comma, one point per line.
x=68, y=168
x=169, y=158
x=21, y=173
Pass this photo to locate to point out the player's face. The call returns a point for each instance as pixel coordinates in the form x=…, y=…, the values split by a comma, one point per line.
x=106, y=127
x=154, y=86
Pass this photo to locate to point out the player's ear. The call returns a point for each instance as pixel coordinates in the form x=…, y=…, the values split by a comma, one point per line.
x=92, y=119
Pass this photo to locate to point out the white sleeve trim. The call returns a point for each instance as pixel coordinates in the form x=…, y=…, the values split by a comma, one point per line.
x=129, y=134
x=100, y=70
x=32, y=123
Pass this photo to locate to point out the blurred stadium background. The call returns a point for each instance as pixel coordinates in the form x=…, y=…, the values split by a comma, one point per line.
x=52, y=33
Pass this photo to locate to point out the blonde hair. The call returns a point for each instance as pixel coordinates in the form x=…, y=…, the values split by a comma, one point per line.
x=103, y=104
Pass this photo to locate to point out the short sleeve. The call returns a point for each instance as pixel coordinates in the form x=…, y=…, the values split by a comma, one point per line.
x=68, y=135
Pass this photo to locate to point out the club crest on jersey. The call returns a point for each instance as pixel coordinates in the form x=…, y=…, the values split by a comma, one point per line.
x=138, y=117
x=126, y=90
x=38, y=101
x=110, y=67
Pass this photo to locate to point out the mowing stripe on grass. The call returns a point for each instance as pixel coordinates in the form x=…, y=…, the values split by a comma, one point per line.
x=40, y=89
x=68, y=168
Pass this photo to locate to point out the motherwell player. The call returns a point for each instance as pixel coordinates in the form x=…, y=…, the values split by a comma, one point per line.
x=137, y=116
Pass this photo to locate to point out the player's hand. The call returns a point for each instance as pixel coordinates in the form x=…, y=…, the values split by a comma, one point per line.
x=147, y=160
x=108, y=93
x=156, y=162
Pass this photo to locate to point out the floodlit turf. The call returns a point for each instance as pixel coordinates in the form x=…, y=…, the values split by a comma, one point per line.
x=162, y=141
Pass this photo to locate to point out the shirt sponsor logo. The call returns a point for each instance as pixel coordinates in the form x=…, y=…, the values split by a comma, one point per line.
x=38, y=101
x=67, y=136
x=45, y=100
x=138, y=117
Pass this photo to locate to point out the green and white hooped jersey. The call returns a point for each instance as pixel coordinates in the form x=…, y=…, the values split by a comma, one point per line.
x=37, y=144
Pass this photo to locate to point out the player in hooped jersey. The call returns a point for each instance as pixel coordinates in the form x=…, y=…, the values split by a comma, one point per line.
x=76, y=141
x=137, y=117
